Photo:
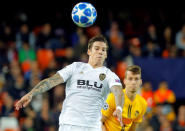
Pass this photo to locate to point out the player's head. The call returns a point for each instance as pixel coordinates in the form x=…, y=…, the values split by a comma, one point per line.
x=97, y=48
x=132, y=78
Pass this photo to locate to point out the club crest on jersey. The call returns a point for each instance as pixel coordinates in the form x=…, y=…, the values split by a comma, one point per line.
x=136, y=113
x=105, y=106
x=102, y=76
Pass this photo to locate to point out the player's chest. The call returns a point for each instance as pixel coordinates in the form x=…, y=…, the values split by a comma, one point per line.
x=132, y=110
x=89, y=77
x=89, y=80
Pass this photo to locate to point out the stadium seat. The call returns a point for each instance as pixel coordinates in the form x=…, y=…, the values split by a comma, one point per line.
x=8, y=124
x=120, y=69
x=60, y=52
x=25, y=66
x=44, y=56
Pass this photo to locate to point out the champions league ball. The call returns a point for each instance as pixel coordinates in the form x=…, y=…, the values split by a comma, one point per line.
x=84, y=14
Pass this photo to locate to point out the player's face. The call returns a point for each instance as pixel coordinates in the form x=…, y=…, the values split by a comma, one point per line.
x=132, y=82
x=98, y=51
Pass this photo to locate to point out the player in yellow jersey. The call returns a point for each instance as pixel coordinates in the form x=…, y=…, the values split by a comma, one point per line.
x=134, y=105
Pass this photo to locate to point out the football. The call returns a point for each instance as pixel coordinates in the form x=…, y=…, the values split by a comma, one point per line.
x=84, y=14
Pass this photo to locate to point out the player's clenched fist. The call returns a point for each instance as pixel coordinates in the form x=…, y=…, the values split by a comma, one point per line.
x=118, y=114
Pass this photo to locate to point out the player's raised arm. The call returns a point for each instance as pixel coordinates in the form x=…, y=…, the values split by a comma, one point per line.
x=41, y=87
x=118, y=93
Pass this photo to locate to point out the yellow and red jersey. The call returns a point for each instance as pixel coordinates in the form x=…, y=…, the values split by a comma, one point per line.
x=133, y=111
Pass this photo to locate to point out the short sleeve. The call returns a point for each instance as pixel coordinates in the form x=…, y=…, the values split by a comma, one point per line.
x=67, y=71
x=140, y=117
x=109, y=106
x=113, y=79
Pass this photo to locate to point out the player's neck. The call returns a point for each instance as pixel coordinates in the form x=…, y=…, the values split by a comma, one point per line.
x=95, y=64
x=130, y=95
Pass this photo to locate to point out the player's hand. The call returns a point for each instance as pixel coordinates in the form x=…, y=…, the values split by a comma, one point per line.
x=118, y=114
x=24, y=101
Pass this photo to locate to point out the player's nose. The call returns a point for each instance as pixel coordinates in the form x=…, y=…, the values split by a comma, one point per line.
x=100, y=52
x=133, y=82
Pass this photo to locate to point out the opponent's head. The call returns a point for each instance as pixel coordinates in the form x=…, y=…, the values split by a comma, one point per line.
x=97, y=48
x=132, y=78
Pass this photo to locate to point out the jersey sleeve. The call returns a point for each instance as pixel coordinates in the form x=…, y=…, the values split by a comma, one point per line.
x=140, y=117
x=113, y=79
x=109, y=106
x=67, y=71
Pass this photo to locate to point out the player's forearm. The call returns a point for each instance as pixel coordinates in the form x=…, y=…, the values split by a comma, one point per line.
x=133, y=127
x=46, y=84
x=103, y=119
x=118, y=93
x=41, y=87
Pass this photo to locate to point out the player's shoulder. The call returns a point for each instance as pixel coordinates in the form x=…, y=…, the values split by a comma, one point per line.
x=141, y=100
x=78, y=64
x=110, y=95
x=110, y=100
x=109, y=71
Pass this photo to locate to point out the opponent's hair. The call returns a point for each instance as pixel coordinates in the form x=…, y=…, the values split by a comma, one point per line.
x=100, y=38
x=135, y=69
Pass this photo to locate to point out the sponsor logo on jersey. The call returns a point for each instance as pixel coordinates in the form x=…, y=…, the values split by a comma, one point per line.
x=102, y=76
x=125, y=120
x=86, y=84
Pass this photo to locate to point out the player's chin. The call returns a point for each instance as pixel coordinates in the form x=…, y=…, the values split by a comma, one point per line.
x=100, y=59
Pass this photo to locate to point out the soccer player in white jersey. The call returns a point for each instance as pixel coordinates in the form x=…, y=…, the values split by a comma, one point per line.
x=87, y=86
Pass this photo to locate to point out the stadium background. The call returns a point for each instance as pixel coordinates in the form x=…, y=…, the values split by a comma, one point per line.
x=52, y=34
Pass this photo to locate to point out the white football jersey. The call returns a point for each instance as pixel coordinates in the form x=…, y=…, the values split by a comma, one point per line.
x=86, y=90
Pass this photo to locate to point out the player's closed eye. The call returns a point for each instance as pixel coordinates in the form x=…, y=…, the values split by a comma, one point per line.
x=136, y=79
x=96, y=48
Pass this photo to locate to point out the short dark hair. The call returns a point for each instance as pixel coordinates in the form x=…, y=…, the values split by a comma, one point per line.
x=135, y=69
x=97, y=38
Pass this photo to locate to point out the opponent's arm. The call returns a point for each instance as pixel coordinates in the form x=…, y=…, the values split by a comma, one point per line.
x=103, y=119
x=133, y=126
x=119, y=99
x=41, y=87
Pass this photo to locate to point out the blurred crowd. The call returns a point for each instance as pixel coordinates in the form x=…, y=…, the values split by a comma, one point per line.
x=29, y=54
x=160, y=115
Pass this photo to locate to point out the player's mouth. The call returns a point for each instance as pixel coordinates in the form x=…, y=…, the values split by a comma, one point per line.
x=133, y=91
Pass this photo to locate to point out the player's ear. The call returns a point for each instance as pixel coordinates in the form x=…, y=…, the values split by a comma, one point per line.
x=88, y=52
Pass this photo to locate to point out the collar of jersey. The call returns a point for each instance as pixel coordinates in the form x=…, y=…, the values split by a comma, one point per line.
x=93, y=67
